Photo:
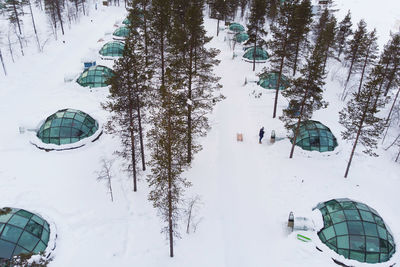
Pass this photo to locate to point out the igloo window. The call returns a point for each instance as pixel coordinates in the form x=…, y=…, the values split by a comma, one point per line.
x=314, y=136
x=22, y=232
x=356, y=231
x=95, y=76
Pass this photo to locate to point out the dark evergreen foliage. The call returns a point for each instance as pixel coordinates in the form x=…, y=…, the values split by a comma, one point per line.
x=306, y=93
x=359, y=117
x=343, y=33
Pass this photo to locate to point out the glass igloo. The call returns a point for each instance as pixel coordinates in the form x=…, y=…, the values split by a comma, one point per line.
x=356, y=231
x=241, y=37
x=95, y=76
x=270, y=80
x=236, y=27
x=21, y=232
x=260, y=55
x=121, y=32
x=112, y=49
x=126, y=22
x=67, y=126
x=314, y=136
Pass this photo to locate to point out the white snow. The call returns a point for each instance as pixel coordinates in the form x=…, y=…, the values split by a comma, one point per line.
x=247, y=189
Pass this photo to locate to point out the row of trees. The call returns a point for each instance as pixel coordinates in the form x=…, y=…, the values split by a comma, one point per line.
x=302, y=42
x=164, y=87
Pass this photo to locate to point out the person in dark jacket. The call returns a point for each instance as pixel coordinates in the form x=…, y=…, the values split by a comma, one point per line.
x=261, y=134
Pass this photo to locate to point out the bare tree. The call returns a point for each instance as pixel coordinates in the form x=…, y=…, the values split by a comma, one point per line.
x=193, y=206
x=2, y=63
x=106, y=174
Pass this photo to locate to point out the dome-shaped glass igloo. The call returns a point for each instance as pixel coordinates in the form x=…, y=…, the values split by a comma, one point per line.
x=112, y=49
x=22, y=232
x=261, y=55
x=121, y=32
x=356, y=231
x=314, y=135
x=67, y=126
x=236, y=27
x=126, y=22
x=241, y=37
x=95, y=76
x=270, y=80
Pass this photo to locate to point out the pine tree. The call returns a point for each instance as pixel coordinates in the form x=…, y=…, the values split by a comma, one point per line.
x=319, y=27
x=189, y=53
x=256, y=26
x=306, y=93
x=370, y=56
x=328, y=39
x=392, y=57
x=168, y=157
x=159, y=28
x=220, y=6
x=343, y=33
x=300, y=29
x=281, y=43
x=355, y=51
x=14, y=9
x=359, y=116
x=273, y=9
x=54, y=9
x=127, y=97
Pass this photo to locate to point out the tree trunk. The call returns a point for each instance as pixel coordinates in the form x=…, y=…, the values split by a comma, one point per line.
x=10, y=47
x=170, y=207
x=298, y=122
x=388, y=122
x=146, y=38
x=189, y=115
x=357, y=136
x=162, y=62
x=363, y=72
x=351, y=68
x=16, y=16
x=34, y=26
x=218, y=27
x=58, y=10
x=2, y=63
x=132, y=136
x=296, y=55
x=83, y=7
x=392, y=76
x=278, y=84
x=398, y=154
x=140, y=133
x=255, y=51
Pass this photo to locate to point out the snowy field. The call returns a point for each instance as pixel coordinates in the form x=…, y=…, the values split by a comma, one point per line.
x=247, y=189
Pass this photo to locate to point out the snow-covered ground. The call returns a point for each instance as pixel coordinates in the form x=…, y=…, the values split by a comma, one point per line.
x=247, y=189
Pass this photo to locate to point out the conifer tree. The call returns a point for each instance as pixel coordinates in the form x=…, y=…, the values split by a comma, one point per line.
x=188, y=51
x=54, y=9
x=14, y=9
x=159, y=28
x=319, y=26
x=301, y=26
x=370, y=55
x=359, y=117
x=273, y=9
x=168, y=157
x=328, y=39
x=343, y=33
x=281, y=43
x=391, y=56
x=306, y=93
x=356, y=47
x=256, y=26
x=222, y=9
x=127, y=97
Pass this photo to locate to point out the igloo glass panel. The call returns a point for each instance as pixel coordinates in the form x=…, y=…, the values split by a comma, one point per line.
x=314, y=136
x=21, y=232
x=77, y=126
x=353, y=231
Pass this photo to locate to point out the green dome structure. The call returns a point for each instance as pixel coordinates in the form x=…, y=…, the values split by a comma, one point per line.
x=241, y=37
x=126, y=21
x=236, y=27
x=95, y=76
x=356, y=231
x=314, y=136
x=21, y=232
x=121, y=33
x=261, y=55
x=112, y=49
x=67, y=126
x=270, y=80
